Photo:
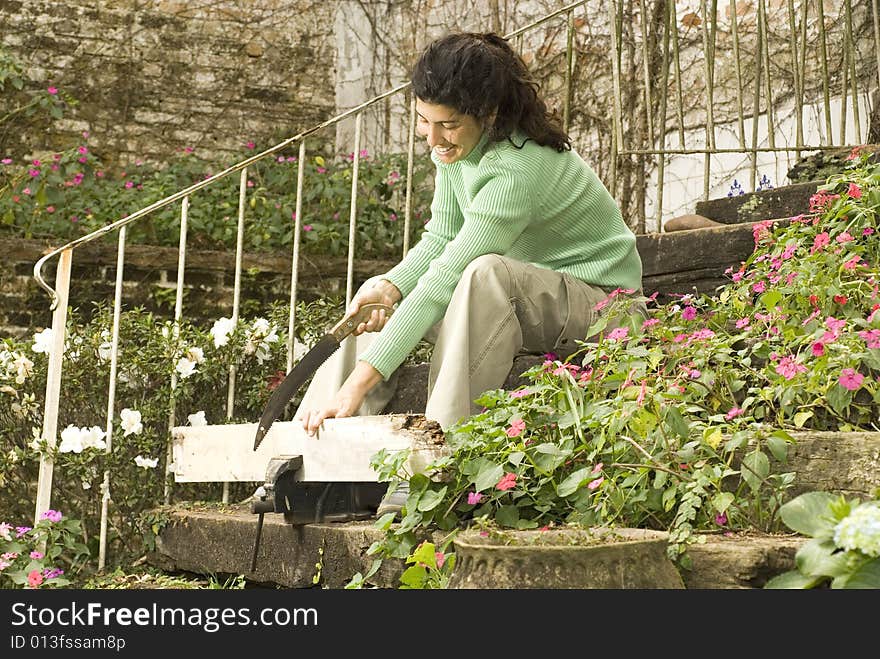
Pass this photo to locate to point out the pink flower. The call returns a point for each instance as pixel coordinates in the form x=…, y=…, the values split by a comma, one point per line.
x=618, y=333
x=50, y=209
x=854, y=191
x=850, y=379
x=597, y=468
x=516, y=428
x=689, y=313
x=788, y=368
x=732, y=413
x=759, y=286
x=650, y=322
x=307, y=227
x=818, y=349
x=129, y=184
x=742, y=322
x=852, y=263
x=6, y=161
x=519, y=393
x=51, y=515
x=250, y=145
x=52, y=90
x=871, y=338
x=34, y=578
x=721, y=519
x=440, y=558
x=592, y=485
x=821, y=240
x=507, y=482
x=844, y=237
x=321, y=170
x=36, y=555
x=474, y=498
x=867, y=231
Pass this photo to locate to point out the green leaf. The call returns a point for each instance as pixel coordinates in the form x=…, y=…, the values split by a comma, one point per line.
x=424, y=553
x=770, y=299
x=574, y=481
x=792, y=580
x=821, y=558
x=778, y=447
x=808, y=514
x=755, y=468
x=489, y=475
x=721, y=501
x=802, y=417
x=431, y=499
x=507, y=516
x=676, y=423
x=866, y=576
x=414, y=577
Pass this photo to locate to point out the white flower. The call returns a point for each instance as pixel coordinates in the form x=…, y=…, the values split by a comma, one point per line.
x=131, y=422
x=185, y=367
x=198, y=419
x=860, y=530
x=5, y=531
x=260, y=327
x=299, y=350
x=86, y=485
x=43, y=341
x=106, y=348
x=23, y=368
x=71, y=440
x=93, y=437
x=195, y=354
x=146, y=463
x=220, y=331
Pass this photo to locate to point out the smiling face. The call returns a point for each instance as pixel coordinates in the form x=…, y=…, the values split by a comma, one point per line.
x=451, y=134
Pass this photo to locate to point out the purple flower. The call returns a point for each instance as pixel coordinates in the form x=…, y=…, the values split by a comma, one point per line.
x=52, y=515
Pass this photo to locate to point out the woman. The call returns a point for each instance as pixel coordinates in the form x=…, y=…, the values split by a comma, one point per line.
x=523, y=241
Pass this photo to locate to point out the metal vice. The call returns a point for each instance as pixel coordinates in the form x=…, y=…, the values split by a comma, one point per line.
x=304, y=502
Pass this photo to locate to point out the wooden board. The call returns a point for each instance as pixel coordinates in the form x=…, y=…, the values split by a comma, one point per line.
x=341, y=451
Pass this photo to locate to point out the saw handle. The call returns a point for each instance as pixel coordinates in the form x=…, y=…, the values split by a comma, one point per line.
x=348, y=324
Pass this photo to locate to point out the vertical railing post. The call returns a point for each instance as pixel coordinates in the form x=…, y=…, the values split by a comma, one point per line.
x=294, y=268
x=410, y=157
x=664, y=92
x=178, y=314
x=352, y=218
x=236, y=302
x=111, y=396
x=53, y=383
x=734, y=33
x=823, y=51
x=617, y=132
x=709, y=64
x=569, y=61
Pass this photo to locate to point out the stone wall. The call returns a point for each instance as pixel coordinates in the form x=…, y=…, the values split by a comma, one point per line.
x=152, y=76
x=150, y=280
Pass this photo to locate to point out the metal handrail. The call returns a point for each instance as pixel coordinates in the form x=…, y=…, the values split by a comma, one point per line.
x=128, y=219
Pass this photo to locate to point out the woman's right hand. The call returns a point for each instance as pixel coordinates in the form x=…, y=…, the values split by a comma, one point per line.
x=374, y=291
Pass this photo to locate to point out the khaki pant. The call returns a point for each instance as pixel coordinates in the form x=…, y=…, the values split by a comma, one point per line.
x=500, y=308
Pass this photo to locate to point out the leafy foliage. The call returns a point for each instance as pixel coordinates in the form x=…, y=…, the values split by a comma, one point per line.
x=682, y=422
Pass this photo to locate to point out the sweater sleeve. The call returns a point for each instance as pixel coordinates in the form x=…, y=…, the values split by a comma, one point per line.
x=498, y=213
x=446, y=220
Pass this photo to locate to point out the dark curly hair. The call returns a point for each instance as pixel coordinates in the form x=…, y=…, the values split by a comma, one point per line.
x=478, y=74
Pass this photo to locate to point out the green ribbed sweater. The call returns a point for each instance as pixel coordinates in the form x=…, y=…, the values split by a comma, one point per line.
x=532, y=204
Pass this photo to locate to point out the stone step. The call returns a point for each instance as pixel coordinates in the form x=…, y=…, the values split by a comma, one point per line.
x=220, y=541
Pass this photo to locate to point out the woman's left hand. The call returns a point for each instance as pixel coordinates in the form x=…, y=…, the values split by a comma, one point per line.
x=346, y=401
